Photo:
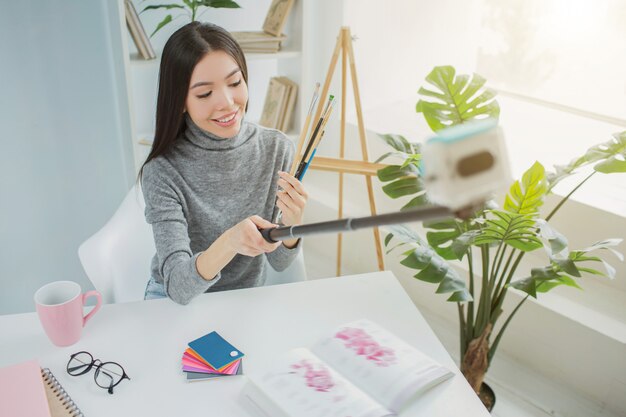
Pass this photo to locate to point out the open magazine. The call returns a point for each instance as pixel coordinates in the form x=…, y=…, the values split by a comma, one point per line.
x=359, y=370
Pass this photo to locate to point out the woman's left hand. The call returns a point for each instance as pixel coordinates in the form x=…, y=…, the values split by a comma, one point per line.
x=291, y=199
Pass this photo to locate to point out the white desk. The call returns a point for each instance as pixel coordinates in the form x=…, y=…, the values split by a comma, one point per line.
x=148, y=338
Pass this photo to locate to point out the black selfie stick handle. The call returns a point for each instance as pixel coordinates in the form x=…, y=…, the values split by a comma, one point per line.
x=343, y=225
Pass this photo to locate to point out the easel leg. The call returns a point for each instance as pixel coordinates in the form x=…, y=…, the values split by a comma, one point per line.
x=342, y=140
x=362, y=136
x=329, y=75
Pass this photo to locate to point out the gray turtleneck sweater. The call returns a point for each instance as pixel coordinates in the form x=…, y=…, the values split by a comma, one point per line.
x=203, y=186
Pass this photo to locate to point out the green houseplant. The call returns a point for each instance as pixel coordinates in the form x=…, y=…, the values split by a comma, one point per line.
x=191, y=8
x=493, y=240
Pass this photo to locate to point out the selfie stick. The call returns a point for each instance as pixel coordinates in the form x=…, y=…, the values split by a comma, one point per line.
x=344, y=225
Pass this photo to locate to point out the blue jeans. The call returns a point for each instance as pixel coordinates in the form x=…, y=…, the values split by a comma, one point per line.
x=154, y=290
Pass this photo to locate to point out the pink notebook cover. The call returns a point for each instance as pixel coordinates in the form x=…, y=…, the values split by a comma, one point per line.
x=22, y=393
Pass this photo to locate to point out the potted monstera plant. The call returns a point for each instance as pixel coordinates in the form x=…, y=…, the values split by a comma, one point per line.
x=493, y=240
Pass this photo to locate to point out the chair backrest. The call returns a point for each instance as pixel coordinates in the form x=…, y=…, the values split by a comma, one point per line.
x=117, y=257
x=293, y=273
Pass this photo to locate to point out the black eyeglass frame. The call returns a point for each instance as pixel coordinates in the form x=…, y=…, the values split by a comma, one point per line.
x=98, y=368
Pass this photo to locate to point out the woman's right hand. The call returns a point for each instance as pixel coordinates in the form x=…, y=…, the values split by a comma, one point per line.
x=246, y=239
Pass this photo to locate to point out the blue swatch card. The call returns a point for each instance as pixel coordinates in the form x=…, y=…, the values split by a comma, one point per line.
x=216, y=351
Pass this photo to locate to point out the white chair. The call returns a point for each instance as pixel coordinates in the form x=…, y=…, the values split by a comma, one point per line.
x=117, y=257
x=293, y=273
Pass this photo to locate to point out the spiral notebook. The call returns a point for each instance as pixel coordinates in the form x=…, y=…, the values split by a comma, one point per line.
x=61, y=405
x=22, y=392
x=26, y=390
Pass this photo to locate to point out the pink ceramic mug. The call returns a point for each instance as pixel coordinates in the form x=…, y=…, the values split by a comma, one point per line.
x=60, y=309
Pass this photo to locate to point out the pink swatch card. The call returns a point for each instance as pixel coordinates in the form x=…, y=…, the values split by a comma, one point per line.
x=189, y=364
x=193, y=355
x=192, y=361
x=231, y=371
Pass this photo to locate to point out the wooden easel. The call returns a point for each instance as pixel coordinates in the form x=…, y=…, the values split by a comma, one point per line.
x=342, y=165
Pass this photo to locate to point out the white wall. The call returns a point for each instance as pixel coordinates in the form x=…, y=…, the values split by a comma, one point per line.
x=65, y=162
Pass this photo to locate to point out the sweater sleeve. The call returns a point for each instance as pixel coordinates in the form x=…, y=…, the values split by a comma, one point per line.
x=176, y=262
x=282, y=257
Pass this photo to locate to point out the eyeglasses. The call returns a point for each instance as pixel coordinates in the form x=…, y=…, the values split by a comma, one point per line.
x=108, y=374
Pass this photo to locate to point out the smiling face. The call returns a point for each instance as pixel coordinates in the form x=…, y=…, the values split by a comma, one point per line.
x=217, y=95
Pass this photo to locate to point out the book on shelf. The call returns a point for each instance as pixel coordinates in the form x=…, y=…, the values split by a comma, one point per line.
x=253, y=38
x=137, y=32
x=261, y=49
x=284, y=121
x=274, y=99
x=258, y=42
x=359, y=370
x=277, y=16
x=280, y=101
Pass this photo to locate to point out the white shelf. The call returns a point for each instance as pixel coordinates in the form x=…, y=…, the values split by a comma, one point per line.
x=136, y=59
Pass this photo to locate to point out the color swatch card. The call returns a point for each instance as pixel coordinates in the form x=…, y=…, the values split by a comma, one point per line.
x=200, y=376
x=211, y=356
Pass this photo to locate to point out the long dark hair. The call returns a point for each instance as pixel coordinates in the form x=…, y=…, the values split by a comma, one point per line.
x=183, y=50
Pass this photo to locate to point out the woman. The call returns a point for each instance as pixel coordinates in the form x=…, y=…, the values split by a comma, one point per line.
x=211, y=179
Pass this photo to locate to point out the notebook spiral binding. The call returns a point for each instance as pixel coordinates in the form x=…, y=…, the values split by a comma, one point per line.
x=58, y=390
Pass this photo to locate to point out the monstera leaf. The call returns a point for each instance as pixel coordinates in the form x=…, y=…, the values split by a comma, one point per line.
x=543, y=280
x=609, y=157
x=556, y=242
x=611, y=154
x=526, y=196
x=516, y=230
x=403, y=147
x=449, y=238
x=404, y=179
x=393, y=172
x=458, y=99
x=404, y=182
x=562, y=271
x=432, y=267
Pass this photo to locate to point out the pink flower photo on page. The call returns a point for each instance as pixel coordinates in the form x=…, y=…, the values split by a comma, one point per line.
x=384, y=366
x=362, y=344
x=316, y=377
